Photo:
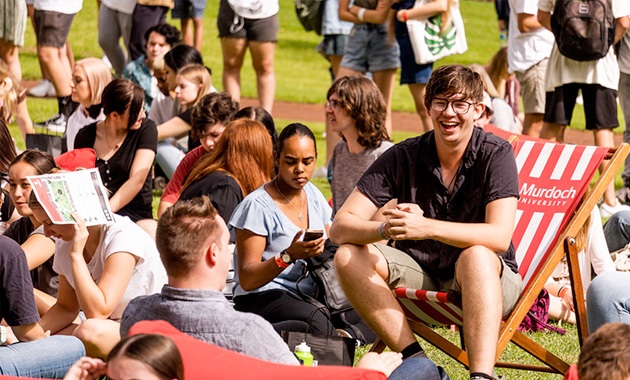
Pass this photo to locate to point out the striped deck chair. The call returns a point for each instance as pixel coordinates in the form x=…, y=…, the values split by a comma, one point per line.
x=553, y=178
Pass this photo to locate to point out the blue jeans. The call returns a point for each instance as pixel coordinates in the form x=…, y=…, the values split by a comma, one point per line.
x=617, y=231
x=168, y=157
x=608, y=300
x=44, y=358
x=416, y=369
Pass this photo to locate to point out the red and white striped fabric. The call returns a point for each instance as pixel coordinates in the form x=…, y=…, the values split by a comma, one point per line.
x=552, y=180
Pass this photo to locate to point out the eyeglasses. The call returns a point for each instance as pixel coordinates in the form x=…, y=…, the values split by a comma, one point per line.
x=333, y=103
x=460, y=107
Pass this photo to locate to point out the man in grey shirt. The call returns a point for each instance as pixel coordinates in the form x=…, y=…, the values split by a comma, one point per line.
x=193, y=243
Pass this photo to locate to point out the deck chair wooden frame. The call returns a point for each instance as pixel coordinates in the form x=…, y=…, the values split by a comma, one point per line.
x=564, y=244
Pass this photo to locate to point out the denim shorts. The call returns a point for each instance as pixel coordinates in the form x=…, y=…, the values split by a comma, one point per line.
x=368, y=49
x=411, y=72
x=184, y=9
x=332, y=45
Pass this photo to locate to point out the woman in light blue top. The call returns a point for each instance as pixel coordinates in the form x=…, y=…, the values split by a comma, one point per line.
x=269, y=225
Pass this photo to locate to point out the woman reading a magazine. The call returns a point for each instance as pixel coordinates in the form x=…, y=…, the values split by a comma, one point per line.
x=101, y=268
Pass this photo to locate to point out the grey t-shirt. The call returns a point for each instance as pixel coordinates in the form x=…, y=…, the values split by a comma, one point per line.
x=207, y=315
x=348, y=168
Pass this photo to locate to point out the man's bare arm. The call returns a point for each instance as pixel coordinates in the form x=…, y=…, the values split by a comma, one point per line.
x=353, y=222
x=527, y=23
x=621, y=26
x=544, y=18
x=407, y=222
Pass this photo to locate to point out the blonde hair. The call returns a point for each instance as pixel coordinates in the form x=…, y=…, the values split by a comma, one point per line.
x=8, y=97
x=98, y=77
x=199, y=75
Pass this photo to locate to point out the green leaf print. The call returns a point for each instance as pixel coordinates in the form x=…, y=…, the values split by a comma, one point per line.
x=434, y=40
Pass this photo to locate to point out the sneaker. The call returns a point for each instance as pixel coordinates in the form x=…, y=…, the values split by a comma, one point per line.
x=106, y=61
x=607, y=211
x=56, y=124
x=43, y=89
x=623, y=194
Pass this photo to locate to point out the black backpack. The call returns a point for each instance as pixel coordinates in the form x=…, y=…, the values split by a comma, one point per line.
x=584, y=29
x=310, y=14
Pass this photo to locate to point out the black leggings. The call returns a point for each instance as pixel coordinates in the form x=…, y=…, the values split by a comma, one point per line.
x=285, y=311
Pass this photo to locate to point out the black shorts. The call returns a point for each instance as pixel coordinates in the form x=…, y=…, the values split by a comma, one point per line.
x=52, y=28
x=600, y=105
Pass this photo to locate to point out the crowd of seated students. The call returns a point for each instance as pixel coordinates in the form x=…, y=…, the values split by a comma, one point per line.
x=245, y=184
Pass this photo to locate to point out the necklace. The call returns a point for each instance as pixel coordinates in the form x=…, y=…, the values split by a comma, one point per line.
x=299, y=211
x=449, y=188
x=116, y=145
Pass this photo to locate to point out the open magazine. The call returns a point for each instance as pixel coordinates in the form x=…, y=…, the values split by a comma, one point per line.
x=81, y=191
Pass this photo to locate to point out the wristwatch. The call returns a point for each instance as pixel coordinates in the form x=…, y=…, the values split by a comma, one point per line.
x=283, y=259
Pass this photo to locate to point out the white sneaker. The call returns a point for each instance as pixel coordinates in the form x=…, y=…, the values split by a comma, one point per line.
x=43, y=89
x=56, y=124
x=607, y=211
x=107, y=62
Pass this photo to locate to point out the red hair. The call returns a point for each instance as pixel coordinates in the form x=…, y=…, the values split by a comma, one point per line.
x=244, y=151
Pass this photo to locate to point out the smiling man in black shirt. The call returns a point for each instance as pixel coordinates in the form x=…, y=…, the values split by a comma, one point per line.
x=456, y=190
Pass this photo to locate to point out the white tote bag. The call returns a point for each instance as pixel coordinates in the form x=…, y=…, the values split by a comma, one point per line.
x=428, y=43
x=254, y=9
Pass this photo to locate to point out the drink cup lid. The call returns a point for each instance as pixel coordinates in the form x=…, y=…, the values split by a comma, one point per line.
x=303, y=347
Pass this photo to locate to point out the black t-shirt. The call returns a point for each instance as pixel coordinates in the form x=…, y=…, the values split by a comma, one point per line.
x=187, y=117
x=7, y=208
x=224, y=192
x=115, y=171
x=44, y=276
x=17, y=303
x=20, y=230
x=411, y=172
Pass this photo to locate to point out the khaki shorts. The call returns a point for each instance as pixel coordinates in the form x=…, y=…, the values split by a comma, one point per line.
x=533, y=87
x=405, y=272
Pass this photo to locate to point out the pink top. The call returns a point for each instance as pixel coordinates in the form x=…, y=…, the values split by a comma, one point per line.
x=174, y=187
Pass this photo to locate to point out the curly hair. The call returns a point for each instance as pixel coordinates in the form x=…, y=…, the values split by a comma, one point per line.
x=213, y=108
x=363, y=101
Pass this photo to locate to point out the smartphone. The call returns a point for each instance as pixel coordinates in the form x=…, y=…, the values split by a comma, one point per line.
x=313, y=234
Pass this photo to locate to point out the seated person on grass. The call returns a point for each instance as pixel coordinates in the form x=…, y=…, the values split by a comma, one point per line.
x=192, y=239
x=457, y=191
x=160, y=39
x=355, y=110
x=101, y=268
x=32, y=353
x=209, y=118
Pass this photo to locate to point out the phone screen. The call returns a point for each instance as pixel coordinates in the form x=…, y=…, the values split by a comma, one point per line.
x=313, y=234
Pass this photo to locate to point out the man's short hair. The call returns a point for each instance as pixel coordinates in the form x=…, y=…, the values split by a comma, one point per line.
x=216, y=107
x=170, y=33
x=449, y=80
x=605, y=354
x=184, y=233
